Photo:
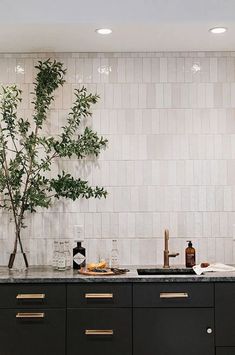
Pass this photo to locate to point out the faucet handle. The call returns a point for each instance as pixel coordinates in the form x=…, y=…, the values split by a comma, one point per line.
x=173, y=255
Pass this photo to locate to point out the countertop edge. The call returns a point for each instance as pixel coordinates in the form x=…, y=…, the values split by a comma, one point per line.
x=48, y=275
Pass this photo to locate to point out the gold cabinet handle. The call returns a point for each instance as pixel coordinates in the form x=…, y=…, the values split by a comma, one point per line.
x=30, y=296
x=173, y=295
x=99, y=295
x=30, y=315
x=99, y=331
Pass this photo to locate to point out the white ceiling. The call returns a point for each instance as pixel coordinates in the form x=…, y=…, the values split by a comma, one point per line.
x=138, y=25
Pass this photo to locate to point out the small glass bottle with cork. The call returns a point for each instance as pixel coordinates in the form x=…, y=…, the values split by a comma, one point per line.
x=61, y=261
x=114, y=254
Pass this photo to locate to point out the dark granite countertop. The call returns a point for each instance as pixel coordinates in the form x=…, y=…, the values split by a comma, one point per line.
x=48, y=275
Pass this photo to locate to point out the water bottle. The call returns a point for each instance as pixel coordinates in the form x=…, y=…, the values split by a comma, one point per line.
x=61, y=263
x=114, y=255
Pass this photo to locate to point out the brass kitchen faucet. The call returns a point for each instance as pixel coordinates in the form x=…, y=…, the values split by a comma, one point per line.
x=167, y=254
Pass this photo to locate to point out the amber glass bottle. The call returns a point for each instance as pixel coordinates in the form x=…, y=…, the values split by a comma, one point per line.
x=190, y=255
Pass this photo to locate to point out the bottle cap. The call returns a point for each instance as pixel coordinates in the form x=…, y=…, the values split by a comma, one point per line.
x=190, y=244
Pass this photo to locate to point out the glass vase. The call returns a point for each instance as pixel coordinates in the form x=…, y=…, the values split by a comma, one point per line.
x=19, y=264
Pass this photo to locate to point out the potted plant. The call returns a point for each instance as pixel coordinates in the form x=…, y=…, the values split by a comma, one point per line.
x=26, y=154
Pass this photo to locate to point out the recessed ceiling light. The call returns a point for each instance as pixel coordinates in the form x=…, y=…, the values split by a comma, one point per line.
x=104, y=31
x=218, y=30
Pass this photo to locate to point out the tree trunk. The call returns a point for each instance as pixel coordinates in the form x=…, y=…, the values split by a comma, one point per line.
x=13, y=254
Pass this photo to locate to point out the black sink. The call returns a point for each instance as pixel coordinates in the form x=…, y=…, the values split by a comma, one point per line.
x=161, y=271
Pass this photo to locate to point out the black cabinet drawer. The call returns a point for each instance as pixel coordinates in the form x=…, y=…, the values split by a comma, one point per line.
x=173, y=331
x=99, y=331
x=173, y=295
x=225, y=314
x=225, y=351
x=99, y=295
x=32, y=296
x=40, y=332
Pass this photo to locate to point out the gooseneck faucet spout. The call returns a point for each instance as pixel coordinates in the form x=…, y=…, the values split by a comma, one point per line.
x=167, y=254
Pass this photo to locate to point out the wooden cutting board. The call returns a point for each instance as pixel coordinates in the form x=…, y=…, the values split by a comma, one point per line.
x=95, y=273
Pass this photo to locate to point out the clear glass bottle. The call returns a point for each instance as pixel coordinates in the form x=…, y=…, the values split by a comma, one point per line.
x=114, y=254
x=55, y=254
x=68, y=255
x=61, y=264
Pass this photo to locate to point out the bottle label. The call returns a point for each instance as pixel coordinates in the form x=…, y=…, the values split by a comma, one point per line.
x=61, y=262
x=190, y=259
x=79, y=259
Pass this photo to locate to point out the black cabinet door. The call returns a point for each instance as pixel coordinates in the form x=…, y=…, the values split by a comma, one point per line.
x=225, y=314
x=178, y=331
x=99, y=331
x=30, y=332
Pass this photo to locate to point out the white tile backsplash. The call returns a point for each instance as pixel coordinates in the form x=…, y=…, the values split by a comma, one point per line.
x=170, y=122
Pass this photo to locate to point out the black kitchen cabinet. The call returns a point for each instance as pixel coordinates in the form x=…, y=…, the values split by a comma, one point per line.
x=99, y=331
x=225, y=314
x=173, y=318
x=99, y=319
x=32, y=332
x=32, y=319
x=109, y=318
x=178, y=331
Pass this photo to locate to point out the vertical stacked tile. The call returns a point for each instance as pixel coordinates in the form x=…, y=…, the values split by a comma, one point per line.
x=170, y=121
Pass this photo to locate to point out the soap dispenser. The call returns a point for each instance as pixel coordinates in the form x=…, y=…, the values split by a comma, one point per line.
x=190, y=255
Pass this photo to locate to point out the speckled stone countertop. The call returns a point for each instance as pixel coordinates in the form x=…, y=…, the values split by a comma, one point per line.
x=48, y=275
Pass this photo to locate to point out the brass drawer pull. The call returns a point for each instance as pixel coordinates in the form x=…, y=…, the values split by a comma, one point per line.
x=173, y=295
x=30, y=315
x=99, y=295
x=99, y=332
x=30, y=296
